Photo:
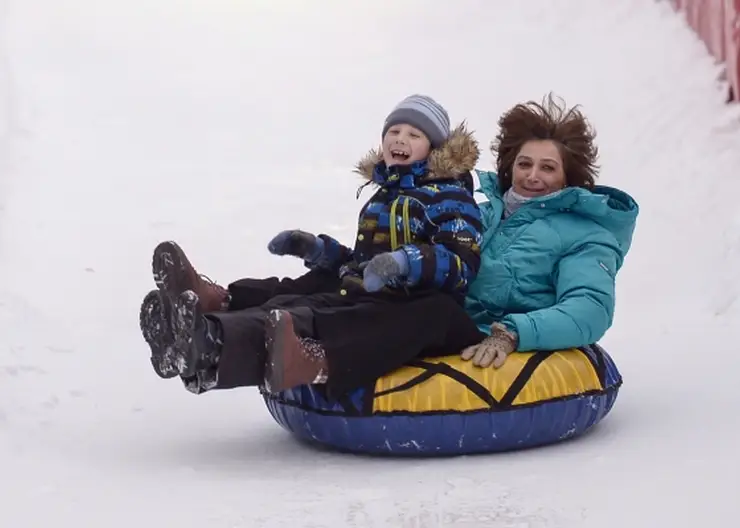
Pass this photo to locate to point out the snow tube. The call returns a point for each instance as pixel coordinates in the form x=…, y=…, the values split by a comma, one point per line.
x=447, y=406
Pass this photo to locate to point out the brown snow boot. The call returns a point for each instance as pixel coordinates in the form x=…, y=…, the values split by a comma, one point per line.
x=197, y=338
x=182, y=341
x=291, y=360
x=155, y=322
x=174, y=274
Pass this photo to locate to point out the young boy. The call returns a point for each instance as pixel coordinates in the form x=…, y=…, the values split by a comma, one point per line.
x=359, y=312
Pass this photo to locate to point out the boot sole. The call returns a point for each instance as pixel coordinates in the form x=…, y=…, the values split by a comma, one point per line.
x=168, y=269
x=155, y=324
x=188, y=314
x=277, y=325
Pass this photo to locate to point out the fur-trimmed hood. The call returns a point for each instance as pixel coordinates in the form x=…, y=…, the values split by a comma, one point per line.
x=452, y=160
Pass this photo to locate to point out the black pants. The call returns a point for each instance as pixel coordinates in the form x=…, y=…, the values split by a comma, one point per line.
x=365, y=335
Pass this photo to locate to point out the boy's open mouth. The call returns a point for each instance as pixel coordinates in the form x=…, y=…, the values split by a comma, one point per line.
x=399, y=155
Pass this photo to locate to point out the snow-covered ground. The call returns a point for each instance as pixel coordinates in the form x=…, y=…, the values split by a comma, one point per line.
x=218, y=123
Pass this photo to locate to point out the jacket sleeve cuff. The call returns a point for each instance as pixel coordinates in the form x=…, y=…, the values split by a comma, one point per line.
x=520, y=325
x=415, y=259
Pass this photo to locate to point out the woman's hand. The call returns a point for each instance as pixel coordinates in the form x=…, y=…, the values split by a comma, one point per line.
x=494, y=349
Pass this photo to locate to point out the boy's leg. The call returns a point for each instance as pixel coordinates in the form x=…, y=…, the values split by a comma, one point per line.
x=174, y=274
x=246, y=293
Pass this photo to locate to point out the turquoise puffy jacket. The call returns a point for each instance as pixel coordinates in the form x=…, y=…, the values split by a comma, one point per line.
x=548, y=270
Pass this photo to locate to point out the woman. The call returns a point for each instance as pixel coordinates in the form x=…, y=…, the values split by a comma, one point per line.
x=553, y=240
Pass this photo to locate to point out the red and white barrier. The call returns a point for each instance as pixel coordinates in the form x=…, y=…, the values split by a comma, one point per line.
x=717, y=22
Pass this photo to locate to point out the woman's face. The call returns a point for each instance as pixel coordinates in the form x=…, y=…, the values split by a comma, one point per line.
x=538, y=169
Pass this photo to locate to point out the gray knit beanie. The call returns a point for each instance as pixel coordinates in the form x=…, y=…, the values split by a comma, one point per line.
x=424, y=113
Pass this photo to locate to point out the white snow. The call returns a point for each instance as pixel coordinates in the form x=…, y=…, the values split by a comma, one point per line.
x=217, y=123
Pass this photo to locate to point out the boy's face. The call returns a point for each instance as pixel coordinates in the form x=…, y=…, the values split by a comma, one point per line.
x=404, y=144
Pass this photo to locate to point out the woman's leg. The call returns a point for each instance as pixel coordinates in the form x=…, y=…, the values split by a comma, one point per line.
x=354, y=345
x=225, y=350
x=220, y=349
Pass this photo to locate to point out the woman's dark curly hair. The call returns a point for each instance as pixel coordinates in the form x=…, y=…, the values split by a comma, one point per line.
x=568, y=128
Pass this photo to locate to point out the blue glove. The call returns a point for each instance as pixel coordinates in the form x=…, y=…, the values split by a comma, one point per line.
x=384, y=268
x=298, y=244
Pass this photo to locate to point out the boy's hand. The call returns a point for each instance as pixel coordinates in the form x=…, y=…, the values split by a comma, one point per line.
x=296, y=243
x=383, y=268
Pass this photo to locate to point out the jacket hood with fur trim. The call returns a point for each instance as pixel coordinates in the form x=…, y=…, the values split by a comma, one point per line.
x=454, y=159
